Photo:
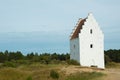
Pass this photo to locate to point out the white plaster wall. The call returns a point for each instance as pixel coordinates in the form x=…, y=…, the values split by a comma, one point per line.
x=91, y=56
x=74, y=49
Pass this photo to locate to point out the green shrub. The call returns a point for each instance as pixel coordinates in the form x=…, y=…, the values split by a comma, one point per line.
x=55, y=61
x=29, y=78
x=54, y=74
x=26, y=62
x=112, y=65
x=9, y=64
x=85, y=76
x=72, y=62
x=21, y=61
x=107, y=59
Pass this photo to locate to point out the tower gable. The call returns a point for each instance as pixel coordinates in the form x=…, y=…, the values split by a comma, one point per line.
x=89, y=38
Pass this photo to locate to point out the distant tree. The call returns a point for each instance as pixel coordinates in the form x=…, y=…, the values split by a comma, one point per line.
x=15, y=55
x=18, y=55
x=2, y=57
x=113, y=54
x=11, y=56
x=6, y=53
x=54, y=56
x=47, y=58
x=107, y=59
x=67, y=56
x=30, y=56
x=62, y=57
x=36, y=57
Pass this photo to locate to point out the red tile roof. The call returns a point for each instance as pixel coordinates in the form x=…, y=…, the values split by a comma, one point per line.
x=78, y=29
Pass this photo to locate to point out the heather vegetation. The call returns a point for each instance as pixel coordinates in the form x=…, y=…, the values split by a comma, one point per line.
x=48, y=66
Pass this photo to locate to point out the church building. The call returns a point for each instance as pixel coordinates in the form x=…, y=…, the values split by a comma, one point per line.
x=87, y=43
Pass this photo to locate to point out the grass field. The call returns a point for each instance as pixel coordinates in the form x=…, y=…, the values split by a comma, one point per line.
x=37, y=71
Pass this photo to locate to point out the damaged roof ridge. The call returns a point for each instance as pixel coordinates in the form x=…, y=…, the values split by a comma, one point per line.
x=78, y=28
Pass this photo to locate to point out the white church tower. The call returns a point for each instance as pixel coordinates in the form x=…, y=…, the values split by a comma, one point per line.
x=87, y=43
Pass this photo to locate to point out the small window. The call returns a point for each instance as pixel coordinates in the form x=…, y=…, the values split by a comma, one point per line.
x=91, y=45
x=91, y=31
x=74, y=46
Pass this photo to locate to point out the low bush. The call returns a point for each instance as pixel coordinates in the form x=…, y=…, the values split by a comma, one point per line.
x=72, y=62
x=54, y=74
x=26, y=62
x=112, y=65
x=55, y=61
x=9, y=64
x=29, y=78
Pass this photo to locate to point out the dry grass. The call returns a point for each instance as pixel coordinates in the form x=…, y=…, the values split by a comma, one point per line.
x=113, y=65
x=13, y=74
x=85, y=76
x=36, y=71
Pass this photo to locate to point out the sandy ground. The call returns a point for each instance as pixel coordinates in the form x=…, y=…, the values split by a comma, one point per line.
x=111, y=73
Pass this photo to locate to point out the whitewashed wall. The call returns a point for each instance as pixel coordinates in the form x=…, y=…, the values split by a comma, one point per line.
x=74, y=49
x=95, y=55
x=83, y=52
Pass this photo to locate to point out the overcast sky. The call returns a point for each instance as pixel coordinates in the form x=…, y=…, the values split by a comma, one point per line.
x=45, y=25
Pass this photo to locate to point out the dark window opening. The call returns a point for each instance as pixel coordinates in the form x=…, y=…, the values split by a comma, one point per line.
x=74, y=46
x=91, y=31
x=94, y=66
x=91, y=45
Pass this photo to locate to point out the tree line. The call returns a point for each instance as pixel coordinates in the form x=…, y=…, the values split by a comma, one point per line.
x=112, y=55
x=35, y=57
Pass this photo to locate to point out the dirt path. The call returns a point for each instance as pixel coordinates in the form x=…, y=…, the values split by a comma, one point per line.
x=111, y=73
